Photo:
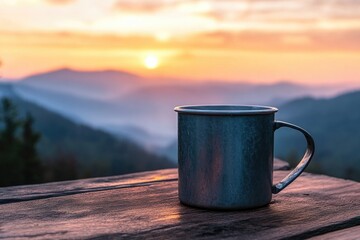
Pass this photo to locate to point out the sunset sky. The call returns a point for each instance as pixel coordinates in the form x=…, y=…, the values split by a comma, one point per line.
x=304, y=41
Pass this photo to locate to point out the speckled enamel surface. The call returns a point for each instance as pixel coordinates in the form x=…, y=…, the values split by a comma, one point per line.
x=225, y=161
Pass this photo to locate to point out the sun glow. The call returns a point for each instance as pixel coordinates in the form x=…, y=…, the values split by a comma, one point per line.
x=151, y=61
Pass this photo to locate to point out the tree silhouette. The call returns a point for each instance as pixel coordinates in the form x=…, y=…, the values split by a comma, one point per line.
x=32, y=164
x=11, y=166
x=19, y=163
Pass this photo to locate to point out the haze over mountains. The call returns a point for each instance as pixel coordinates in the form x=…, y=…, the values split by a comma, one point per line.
x=116, y=101
x=127, y=106
x=334, y=124
x=92, y=152
x=89, y=84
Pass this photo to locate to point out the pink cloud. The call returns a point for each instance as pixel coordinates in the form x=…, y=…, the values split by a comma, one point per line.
x=142, y=6
x=60, y=2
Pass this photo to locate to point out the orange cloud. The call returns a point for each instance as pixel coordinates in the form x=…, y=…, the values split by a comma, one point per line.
x=326, y=40
x=142, y=6
x=60, y=2
x=252, y=56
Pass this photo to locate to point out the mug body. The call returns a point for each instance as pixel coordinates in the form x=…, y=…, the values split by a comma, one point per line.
x=225, y=156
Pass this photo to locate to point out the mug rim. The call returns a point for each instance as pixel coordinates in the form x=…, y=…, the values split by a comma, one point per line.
x=225, y=109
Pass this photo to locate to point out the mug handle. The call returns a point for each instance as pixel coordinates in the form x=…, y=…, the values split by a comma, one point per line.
x=304, y=161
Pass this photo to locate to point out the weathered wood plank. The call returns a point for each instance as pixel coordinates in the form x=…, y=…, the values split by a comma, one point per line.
x=311, y=206
x=56, y=189
x=352, y=233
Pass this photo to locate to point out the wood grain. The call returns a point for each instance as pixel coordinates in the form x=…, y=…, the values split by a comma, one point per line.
x=313, y=205
x=56, y=189
x=352, y=233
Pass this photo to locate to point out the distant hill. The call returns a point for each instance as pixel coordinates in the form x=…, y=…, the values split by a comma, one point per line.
x=117, y=99
x=79, y=108
x=170, y=151
x=97, y=153
x=91, y=84
x=334, y=123
x=139, y=135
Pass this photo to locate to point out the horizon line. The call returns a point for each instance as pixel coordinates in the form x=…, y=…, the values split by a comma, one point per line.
x=163, y=78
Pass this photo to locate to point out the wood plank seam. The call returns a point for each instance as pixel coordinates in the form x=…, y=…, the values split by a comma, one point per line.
x=326, y=229
x=315, y=205
x=304, y=235
x=73, y=192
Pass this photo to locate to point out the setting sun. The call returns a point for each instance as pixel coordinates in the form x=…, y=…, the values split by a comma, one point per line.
x=151, y=61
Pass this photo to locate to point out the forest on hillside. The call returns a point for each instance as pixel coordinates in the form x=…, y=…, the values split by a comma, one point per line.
x=38, y=146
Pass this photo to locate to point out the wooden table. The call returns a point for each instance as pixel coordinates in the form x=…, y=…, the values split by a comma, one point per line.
x=145, y=206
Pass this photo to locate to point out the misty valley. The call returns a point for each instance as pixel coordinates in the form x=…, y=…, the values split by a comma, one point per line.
x=104, y=123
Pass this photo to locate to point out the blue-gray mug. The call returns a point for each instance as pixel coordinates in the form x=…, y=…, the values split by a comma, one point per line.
x=225, y=155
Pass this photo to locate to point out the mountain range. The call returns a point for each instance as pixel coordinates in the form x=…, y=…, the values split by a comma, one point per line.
x=132, y=108
x=114, y=101
x=95, y=152
x=334, y=125
x=89, y=84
